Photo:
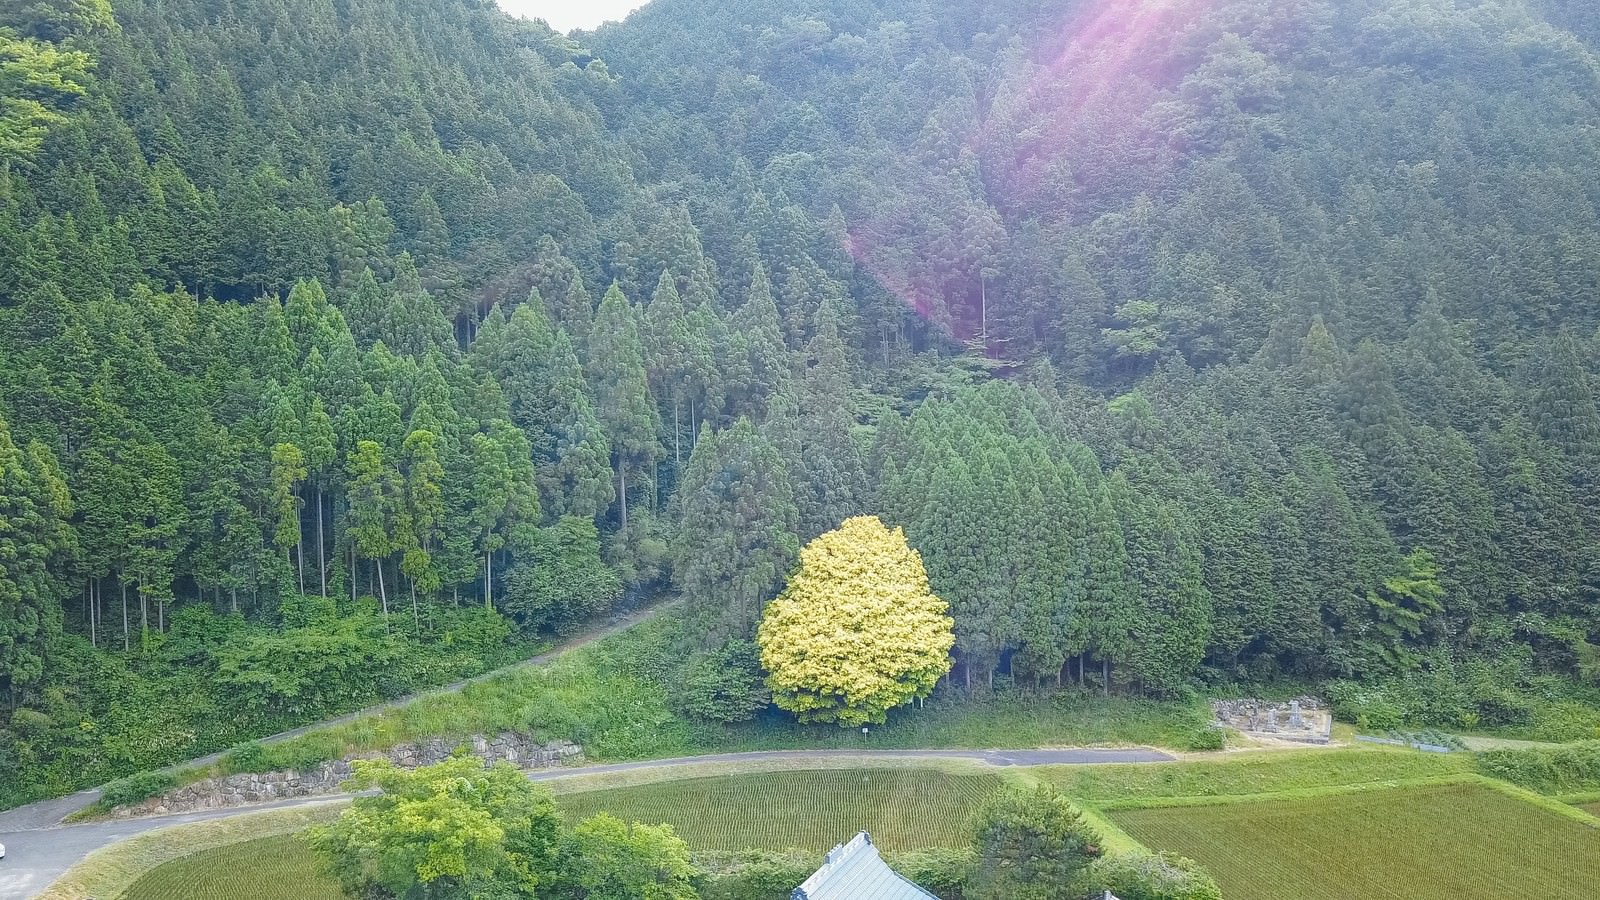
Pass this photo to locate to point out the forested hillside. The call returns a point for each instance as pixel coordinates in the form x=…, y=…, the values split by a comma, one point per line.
x=345, y=347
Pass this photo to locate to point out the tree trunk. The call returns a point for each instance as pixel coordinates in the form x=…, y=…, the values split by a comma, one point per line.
x=383, y=593
x=677, y=432
x=299, y=544
x=1105, y=675
x=161, y=615
x=416, y=617
x=124, y=586
x=322, y=565
x=88, y=609
x=1080, y=667
x=144, y=614
x=622, y=478
x=352, y=574
x=488, y=579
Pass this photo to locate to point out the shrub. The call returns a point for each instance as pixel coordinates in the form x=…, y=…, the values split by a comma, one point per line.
x=1209, y=737
x=1031, y=845
x=724, y=685
x=752, y=874
x=1160, y=876
x=1566, y=720
x=246, y=757
x=941, y=871
x=1555, y=770
x=137, y=787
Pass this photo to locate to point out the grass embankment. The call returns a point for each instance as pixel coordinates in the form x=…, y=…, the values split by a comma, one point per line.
x=615, y=699
x=275, y=868
x=904, y=809
x=111, y=871
x=1251, y=773
x=1460, y=841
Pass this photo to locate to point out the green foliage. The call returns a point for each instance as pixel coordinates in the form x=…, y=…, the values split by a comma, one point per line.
x=607, y=859
x=134, y=788
x=1267, y=409
x=736, y=539
x=454, y=829
x=1157, y=876
x=1032, y=846
x=944, y=871
x=753, y=874
x=724, y=685
x=566, y=584
x=1570, y=769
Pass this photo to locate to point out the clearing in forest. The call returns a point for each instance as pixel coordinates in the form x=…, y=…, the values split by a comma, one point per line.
x=904, y=809
x=1439, y=842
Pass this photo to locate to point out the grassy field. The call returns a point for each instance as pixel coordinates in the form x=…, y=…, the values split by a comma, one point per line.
x=1448, y=842
x=905, y=809
x=1251, y=773
x=274, y=868
x=1592, y=809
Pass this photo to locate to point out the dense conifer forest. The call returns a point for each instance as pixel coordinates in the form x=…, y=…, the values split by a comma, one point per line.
x=347, y=346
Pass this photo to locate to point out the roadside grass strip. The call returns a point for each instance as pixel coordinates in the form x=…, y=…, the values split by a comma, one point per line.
x=273, y=868
x=904, y=809
x=1460, y=837
x=1258, y=772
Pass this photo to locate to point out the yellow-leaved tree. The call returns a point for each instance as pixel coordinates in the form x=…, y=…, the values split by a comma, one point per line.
x=857, y=631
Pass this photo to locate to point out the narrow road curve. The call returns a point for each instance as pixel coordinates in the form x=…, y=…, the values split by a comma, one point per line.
x=37, y=855
x=50, y=812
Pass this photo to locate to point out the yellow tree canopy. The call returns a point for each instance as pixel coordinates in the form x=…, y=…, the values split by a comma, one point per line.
x=857, y=631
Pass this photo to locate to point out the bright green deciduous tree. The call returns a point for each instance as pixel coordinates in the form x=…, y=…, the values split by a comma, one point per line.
x=447, y=831
x=608, y=859
x=857, y=631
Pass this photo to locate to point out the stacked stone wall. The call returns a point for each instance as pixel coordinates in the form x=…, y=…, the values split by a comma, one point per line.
x=262, y=787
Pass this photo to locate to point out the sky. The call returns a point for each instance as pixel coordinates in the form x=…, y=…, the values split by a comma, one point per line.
x=565, y=15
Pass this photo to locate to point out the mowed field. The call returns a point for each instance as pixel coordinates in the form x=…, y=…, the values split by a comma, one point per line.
x=905, y=809
x=274, y=868
x=1447, y=842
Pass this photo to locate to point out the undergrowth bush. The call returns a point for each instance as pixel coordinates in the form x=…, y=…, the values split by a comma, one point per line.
x=134, y=788
x=1571, y=769
x=1158, y=876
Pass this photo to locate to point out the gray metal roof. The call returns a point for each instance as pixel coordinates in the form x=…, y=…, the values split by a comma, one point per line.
x=854, y=871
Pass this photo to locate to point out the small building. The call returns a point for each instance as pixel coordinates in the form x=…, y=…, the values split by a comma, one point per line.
x=854, y=871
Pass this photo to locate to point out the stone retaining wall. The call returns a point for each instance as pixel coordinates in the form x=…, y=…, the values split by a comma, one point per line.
x=243, y=789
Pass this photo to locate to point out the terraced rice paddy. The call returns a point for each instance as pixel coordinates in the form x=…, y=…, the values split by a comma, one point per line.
x=905, y=809
x=1449, y=842
x=274, y=868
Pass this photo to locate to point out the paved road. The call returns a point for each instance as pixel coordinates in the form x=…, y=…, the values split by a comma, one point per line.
x=1073, y=757
x=51, y=812
x=38, y=854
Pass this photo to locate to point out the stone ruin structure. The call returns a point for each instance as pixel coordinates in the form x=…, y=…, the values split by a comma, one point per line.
x=1304, y=719
x=256, y=787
